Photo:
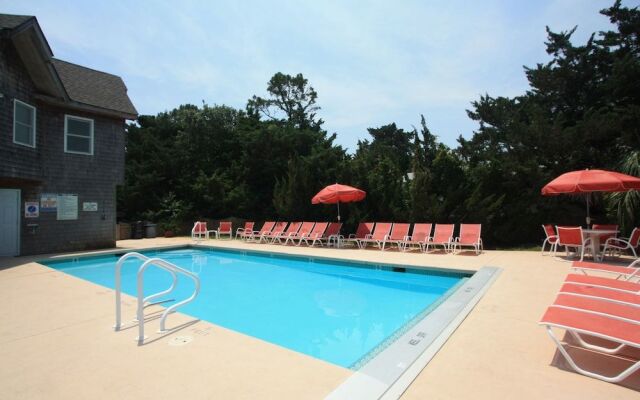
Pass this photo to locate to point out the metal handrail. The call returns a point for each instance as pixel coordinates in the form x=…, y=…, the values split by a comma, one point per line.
x=167, y=266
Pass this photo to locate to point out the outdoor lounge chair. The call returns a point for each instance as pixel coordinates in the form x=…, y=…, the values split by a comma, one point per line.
x=247, y=229
x=622, y=244
x=469, y=237
x=278, y=229
x=399, y=234
x=378, y=236
x=622, y=331
x=607, y=283
x=266, y=228
x=572, y=238
x=419, y=237
x=364, y=229
x=442, y=236
x=200, y=231
x=624, y=273
x=315, y=235
x=305, y=229
x=551, y=239
x=292, y=229
x=225, y=228
x=600, y=292
x=629, y=311
x=332, y=234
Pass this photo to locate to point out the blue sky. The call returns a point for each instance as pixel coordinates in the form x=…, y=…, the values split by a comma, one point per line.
x=372, y=63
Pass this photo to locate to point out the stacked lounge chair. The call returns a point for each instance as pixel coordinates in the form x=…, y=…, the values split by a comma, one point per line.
x=590, y=306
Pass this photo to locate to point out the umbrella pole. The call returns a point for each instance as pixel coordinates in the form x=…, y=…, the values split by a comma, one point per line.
x=338, y=203
x=588, y=214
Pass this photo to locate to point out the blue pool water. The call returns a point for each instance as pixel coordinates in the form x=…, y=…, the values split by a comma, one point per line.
x=335, y=311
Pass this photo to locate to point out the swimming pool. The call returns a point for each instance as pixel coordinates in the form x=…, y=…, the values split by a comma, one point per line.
x=338, y=311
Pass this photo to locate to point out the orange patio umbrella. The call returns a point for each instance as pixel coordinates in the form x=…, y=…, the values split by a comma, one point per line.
x=336, y=194
x=591, y=180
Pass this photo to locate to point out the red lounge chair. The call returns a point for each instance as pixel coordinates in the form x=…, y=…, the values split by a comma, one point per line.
x=622, y=244
x=399, y=234
x=364, y=229
x=378, y=236
x=332, y=234
x=599, y=281
x=469, y=237
x=278, y=229
x=577, y=322
x=247, y=229
x=315, y=235
x=551, y=239
x=304, y=231
x=600, y=292
x=442, y=236
x=200, y=231
x=419, y=237
x=623, y=273
x=572, y=238
x=266, y=228
x=293, y=229
x=629, y=311
x=224, y=228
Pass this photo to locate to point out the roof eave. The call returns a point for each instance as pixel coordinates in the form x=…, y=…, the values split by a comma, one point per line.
x=88, y=108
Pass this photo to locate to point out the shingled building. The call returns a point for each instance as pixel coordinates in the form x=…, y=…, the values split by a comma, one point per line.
x=62, y=130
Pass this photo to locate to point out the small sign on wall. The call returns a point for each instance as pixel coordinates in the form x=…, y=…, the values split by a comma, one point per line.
x=67, y=206
x=48, y=202
x=89, y=206
x=31, y=209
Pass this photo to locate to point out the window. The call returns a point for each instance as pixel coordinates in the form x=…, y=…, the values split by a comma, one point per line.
x=78, y=135
x=24, y=124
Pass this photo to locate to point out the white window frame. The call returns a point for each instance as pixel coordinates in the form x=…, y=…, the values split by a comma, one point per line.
x=91, y=141
x=33, y=122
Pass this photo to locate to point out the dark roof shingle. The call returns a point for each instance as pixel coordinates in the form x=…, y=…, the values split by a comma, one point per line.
x=94, y=88
x=8, y=21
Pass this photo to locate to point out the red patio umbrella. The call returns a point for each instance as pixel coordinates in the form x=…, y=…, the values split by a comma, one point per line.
x=591, y=180
x=336, y=194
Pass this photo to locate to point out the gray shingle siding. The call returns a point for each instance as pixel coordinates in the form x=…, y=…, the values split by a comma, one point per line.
x=48, y=169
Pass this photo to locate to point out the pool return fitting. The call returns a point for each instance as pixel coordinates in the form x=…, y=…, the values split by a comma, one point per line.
x=143, y=302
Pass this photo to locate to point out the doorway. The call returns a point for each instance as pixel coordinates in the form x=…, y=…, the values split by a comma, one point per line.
x=9, y=222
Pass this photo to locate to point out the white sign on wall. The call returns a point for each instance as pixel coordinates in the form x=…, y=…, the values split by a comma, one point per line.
x=67, y=206
x=89, y=206
x=31, y=209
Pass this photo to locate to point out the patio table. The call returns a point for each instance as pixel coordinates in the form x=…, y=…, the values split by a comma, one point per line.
x=594, y=235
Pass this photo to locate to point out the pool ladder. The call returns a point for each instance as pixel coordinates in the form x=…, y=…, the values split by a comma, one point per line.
x=143, y=302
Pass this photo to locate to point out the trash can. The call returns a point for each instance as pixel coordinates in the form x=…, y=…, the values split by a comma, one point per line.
x=137, y=230
x=124, y=231
x=150, y=231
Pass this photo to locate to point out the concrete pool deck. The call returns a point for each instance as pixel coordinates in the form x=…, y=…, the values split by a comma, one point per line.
x=56, y=340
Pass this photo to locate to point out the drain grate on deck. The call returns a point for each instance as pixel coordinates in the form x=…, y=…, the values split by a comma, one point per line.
x=180, y=340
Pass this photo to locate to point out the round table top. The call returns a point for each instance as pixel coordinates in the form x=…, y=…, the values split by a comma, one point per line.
x=599, y=231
